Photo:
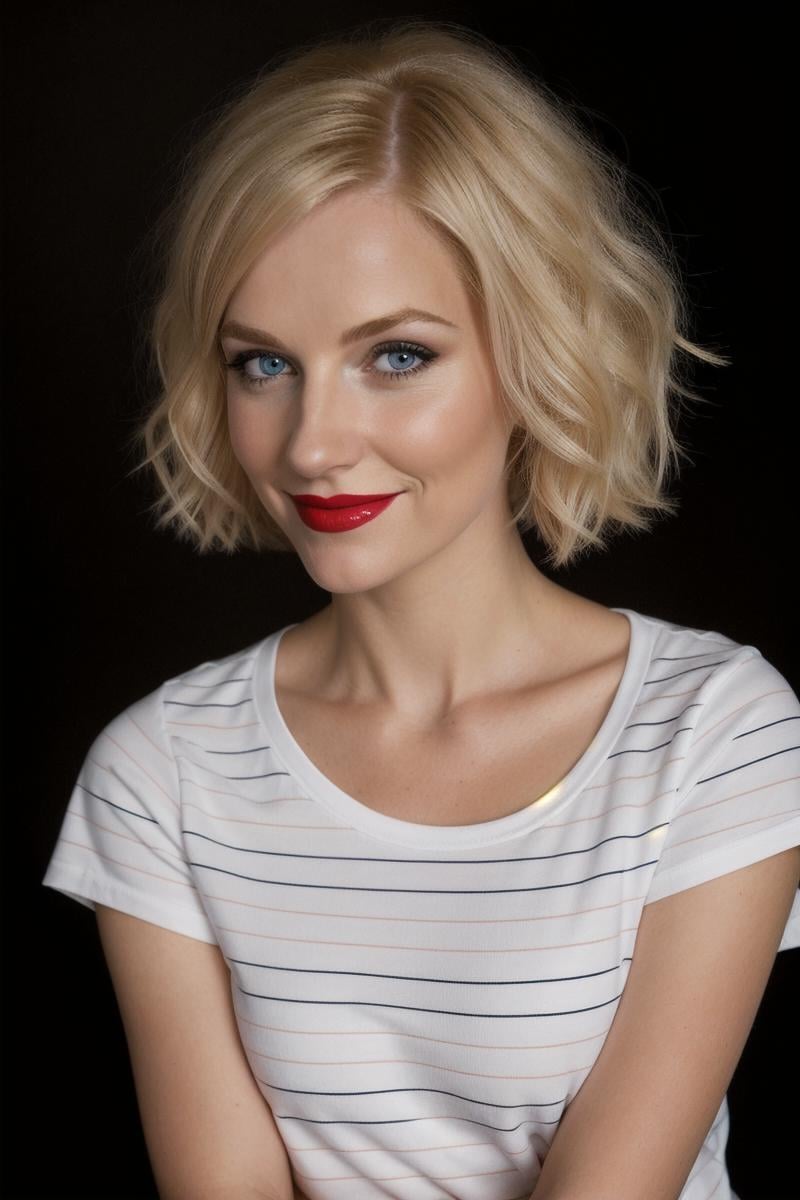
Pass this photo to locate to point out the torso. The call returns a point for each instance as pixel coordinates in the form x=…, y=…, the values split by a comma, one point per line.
x=496, y=760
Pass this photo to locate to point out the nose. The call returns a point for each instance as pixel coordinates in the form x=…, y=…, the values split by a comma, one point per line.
x=327, y=427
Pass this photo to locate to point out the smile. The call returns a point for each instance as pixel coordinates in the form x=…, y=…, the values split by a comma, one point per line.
x=339, y=519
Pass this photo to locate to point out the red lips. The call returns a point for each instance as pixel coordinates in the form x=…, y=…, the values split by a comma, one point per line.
x=336, y=514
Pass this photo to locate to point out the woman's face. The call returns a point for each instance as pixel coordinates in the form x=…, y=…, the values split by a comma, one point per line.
x=314, y=414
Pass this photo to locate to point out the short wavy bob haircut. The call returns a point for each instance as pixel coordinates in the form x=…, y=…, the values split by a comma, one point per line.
x=582, y=299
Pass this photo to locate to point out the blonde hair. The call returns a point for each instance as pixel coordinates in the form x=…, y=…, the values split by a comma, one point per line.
x=583, y=302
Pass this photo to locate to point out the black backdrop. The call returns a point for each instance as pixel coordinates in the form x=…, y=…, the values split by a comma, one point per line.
x=100, y=98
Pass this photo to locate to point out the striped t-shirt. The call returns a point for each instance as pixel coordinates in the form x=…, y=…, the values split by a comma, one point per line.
x=420, y=1003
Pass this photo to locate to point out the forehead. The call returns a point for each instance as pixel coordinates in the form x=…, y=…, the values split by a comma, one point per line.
x=355, y=256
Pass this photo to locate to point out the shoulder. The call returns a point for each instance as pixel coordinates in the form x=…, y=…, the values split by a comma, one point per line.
x=207, y=683
x=678, y=635
x=743, y=694
x=713, y=665
x=143, y=731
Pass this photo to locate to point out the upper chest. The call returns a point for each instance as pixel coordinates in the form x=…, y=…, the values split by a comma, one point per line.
x=503, y=757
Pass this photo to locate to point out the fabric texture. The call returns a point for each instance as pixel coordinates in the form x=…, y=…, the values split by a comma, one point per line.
x=420, y=1003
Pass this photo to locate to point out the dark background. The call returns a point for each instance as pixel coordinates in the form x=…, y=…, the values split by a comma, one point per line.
x=100, y=101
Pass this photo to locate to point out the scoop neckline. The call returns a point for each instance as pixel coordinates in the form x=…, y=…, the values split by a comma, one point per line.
x=360, y=816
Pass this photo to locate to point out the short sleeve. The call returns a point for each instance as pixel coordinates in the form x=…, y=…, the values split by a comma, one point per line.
x=740, y=799
x=120, y=841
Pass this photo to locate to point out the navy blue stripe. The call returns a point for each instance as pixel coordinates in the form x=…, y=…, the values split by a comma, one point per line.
x=685, y=657
x=254, y=750
x=120, y=807
x=749, y=763
x=467, y=1120
x=769, y=725
x=432, y=1117
x=433, y=1091
x=666, y=721
x=234, y=779
x=650, y=749
x=244, y=962
x=688, y=671
x=445, y=1012
x=340, y=887
x=230, y=778
x=368, y=858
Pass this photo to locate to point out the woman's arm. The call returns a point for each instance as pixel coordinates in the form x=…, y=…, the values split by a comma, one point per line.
x=701, y=963
x=210, y=1133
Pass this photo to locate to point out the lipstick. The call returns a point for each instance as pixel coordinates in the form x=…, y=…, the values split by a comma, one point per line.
x=335, y=514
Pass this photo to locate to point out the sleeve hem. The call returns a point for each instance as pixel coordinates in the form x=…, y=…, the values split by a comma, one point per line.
x=731, y=858
x=726, y=858
x=89, y=890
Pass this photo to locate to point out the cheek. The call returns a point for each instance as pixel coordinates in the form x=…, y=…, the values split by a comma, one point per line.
x=452, y=431
x=249, y=434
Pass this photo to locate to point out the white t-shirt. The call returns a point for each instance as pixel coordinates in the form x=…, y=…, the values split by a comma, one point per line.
x=421, y=1002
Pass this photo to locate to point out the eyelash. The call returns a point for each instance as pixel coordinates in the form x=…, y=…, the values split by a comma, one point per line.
x=238, y=363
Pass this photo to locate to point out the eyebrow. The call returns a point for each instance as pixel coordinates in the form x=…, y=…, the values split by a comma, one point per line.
x=368, y=329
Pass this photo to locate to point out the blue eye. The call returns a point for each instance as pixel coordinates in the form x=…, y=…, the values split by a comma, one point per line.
x=265, y=363
x=268, y=362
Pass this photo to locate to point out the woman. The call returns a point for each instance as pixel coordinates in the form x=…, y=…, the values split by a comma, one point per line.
x=467, y=886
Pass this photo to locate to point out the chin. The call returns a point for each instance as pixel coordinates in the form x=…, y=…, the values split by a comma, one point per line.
x=342, y=574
